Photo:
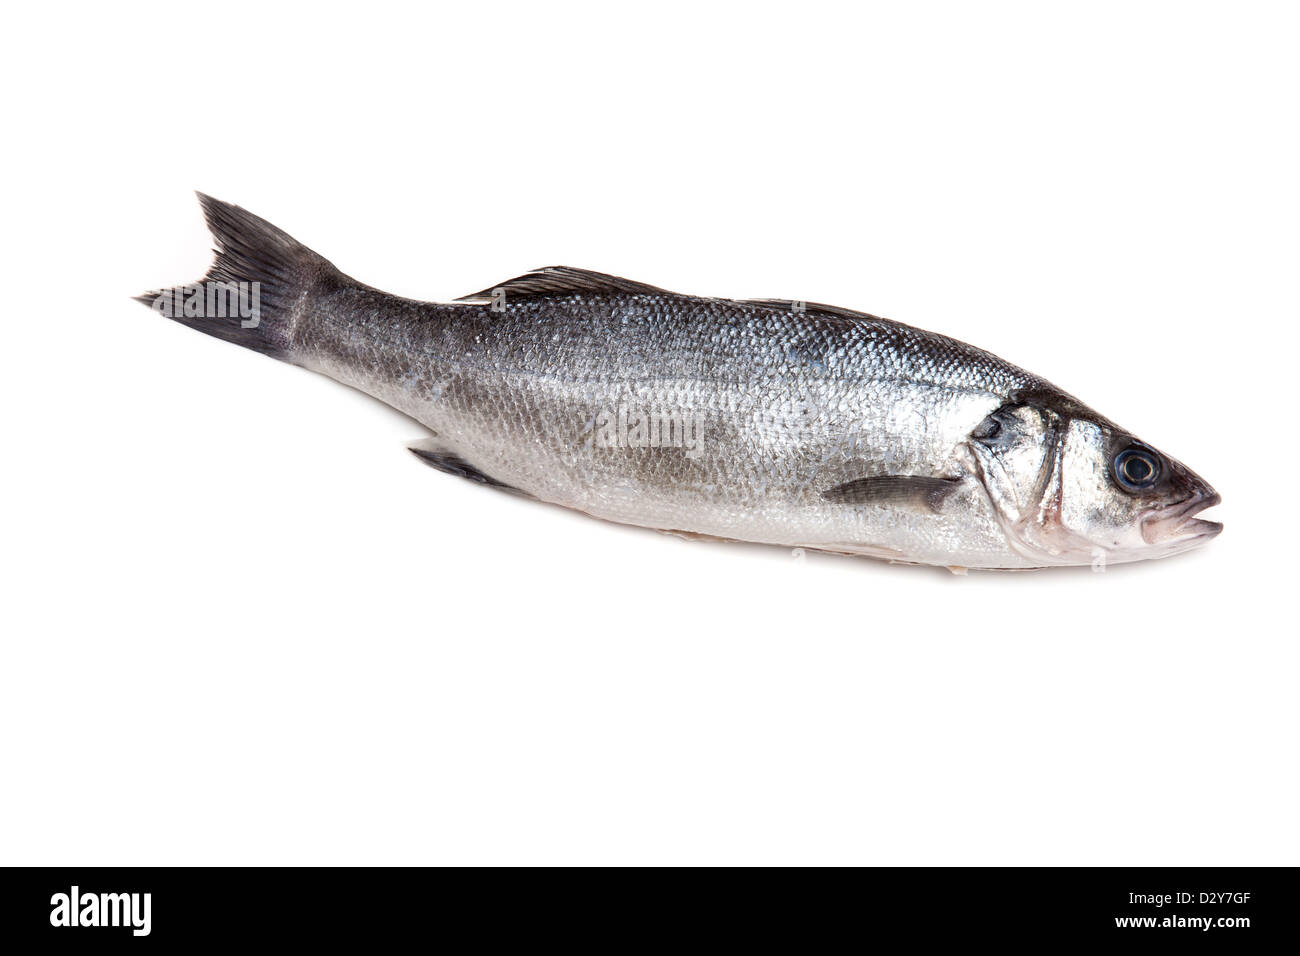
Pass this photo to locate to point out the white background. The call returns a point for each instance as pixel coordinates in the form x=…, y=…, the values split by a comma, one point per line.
x=242, y=625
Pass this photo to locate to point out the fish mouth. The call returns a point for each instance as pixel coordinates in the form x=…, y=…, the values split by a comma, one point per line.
x=1178, y=522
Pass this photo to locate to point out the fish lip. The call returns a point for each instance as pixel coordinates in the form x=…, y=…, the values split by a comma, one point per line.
x=1178, y=522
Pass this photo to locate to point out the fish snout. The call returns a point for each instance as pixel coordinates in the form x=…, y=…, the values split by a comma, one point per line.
x=1189, y=495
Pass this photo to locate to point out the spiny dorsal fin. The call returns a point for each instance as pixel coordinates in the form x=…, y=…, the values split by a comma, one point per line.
x=559, y=280
x=793, y=305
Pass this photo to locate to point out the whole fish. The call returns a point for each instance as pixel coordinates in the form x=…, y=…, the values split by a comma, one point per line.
x=782, y=422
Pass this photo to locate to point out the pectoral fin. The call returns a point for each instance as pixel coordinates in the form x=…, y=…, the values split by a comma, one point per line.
x=897, y=490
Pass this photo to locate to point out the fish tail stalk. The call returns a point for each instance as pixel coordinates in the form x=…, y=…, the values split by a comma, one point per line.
x=257, y=286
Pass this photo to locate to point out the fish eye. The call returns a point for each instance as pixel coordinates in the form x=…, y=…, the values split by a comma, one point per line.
x=1136, y=469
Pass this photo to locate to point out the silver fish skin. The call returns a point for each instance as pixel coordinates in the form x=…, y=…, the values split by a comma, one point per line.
x=786, y=423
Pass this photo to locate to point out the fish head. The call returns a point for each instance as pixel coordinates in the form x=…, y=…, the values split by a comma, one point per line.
x=1070, y=487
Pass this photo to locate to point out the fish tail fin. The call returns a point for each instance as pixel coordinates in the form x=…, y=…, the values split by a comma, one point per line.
x=255, y=287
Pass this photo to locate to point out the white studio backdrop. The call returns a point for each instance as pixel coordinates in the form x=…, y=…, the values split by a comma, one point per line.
x=241, y=624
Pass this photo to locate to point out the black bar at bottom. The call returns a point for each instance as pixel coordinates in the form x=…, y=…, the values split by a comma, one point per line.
x=1224, y=908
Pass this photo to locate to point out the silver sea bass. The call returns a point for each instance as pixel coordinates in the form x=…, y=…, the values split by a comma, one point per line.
x=801, y=425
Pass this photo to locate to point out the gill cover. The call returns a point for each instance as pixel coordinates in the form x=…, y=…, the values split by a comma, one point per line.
x=1019, y=456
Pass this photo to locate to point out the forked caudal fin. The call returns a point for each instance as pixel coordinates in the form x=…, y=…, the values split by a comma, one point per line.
x=251, y=293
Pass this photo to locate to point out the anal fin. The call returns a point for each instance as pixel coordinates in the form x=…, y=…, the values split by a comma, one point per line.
x=699, y=536
x=437, y=456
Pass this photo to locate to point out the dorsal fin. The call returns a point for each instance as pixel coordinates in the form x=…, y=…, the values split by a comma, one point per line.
x=793, y=305
x=559, y=280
